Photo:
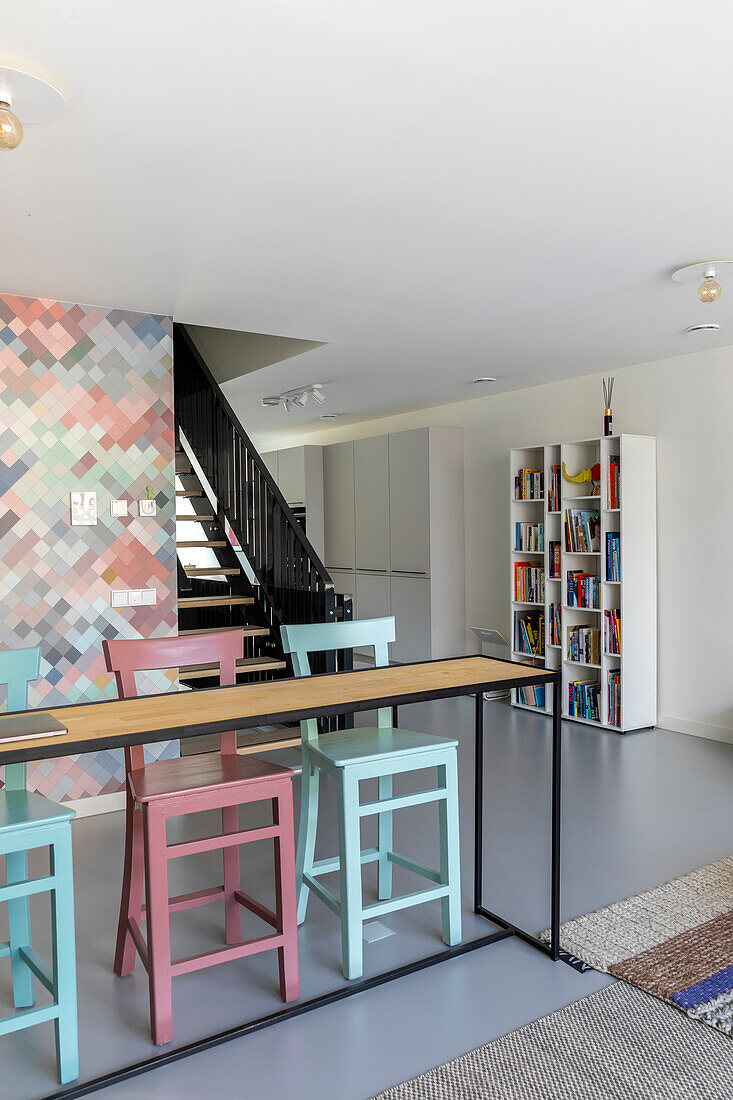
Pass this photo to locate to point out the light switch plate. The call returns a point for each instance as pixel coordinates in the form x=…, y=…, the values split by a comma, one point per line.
x=118, y=508
x=134, y=597
x=118, y=598
x=83, y=509
x=149, y=597
x=147, y=508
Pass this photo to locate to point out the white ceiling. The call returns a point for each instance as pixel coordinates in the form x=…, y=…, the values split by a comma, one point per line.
x=434, y=190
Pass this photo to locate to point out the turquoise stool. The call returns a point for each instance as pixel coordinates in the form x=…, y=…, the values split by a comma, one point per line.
x=377, y=753
x=29, y=821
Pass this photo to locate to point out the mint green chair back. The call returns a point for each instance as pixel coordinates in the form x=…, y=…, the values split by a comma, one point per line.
x=18, y=668
x=305, y=638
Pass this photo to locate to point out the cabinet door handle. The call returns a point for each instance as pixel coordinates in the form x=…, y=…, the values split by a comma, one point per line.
x=411, y=572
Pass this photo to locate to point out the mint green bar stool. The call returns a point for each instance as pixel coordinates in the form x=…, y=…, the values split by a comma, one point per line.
x=350, y=756
x=29, y=821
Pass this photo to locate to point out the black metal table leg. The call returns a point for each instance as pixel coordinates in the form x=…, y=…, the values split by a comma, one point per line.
x=395, y=717
x=478, y=804
x=556, y=797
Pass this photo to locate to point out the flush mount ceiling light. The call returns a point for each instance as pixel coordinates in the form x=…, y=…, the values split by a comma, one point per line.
x=296, y=398
x=702, y=328
x=329, y=416
x=708, y=273
x=25, y=100
x=483, y=378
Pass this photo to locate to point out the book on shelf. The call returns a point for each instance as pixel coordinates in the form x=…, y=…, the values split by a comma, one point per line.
x=529, y=633
x=555, y=624
x=533, y=696
x=613, y=678
x=529, y=485
x=613, y=556
x=554, y=558
x=584, y=700
x=612, y=632
x=584, y=644
x=583, y=589
x=553, y=489
x=529, y=582
x=582, y=530
x=613, y=499
x=529, y=536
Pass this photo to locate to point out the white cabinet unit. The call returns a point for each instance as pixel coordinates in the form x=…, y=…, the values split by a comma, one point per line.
x=291, y=474
x=371, y=503
x=394, y=509
x=409, y=501
x=298, y=472
x=591, y=547
x=338, y=492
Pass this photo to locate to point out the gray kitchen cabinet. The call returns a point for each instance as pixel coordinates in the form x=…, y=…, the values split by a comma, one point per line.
x=371, y=503
x=410, y=603
x=338, y=492
x=409, y=502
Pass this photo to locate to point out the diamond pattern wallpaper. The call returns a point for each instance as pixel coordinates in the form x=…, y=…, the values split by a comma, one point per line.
x=86, y=403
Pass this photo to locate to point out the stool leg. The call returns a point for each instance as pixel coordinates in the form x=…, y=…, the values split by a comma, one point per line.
x=385, y=841
x=450, y=853
x=64, y=958
x=159, y=943
x=133, y=875
x=307, y=830
x=350, y=875
x=230, y=857
x=285, y=903
x=19, y=919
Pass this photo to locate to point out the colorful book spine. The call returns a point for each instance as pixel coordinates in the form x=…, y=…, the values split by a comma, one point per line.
x=613, y=556
x=612, y=632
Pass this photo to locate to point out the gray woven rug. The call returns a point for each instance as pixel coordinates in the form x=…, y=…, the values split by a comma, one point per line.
x=617, y=1044
x=674, y=941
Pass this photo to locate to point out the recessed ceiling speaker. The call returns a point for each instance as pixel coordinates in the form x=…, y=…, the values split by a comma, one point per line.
x=703, y=328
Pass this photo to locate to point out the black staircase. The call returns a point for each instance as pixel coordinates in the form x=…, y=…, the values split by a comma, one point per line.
x=285, y=582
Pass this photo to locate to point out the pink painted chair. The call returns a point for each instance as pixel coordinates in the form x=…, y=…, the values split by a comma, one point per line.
x=170, y=788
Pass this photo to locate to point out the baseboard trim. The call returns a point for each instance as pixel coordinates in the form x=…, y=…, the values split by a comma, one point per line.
x=695, y=729
x=97, y=804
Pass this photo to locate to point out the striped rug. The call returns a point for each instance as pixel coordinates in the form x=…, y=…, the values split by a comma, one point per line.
x=675, y=942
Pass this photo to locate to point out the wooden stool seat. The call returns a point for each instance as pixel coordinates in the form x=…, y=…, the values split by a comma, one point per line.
x=172, y=788
x=199, y=774
x=365, y=744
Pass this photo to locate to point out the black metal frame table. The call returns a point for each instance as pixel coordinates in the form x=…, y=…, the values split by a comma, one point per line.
x=63, y=746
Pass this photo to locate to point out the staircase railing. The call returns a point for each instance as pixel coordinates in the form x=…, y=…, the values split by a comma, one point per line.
x=294, y=584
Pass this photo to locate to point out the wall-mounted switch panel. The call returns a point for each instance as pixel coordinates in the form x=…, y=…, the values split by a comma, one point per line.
x=83, y=509
x=118, y=508
x=146, y=508
x=134, y=597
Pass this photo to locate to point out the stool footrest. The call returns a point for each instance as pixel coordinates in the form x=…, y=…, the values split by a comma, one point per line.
x=226, y=954
x=326, y=866
x=379, y=908
x=415, y=867
x=26, y=887
x=4, y=949
x=27, y=1017
x=256, y=907
x=39, y=967
x=221, y=840
x=401, y=802
x=322, y=893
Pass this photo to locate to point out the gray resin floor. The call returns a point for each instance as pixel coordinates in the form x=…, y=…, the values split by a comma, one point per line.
x=637, y=810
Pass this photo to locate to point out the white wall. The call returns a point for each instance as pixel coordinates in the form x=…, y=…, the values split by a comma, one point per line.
x=687, y=403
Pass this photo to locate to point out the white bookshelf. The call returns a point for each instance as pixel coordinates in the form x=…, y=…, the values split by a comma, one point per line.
x=634, y=595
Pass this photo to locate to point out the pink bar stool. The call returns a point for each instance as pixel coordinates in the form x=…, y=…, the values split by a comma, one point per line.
x=171, y=788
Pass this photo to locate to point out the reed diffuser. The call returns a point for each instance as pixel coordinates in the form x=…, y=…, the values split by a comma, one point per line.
x=607, y=412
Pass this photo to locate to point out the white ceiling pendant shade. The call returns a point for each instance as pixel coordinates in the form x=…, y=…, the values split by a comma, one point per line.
x=24, y=101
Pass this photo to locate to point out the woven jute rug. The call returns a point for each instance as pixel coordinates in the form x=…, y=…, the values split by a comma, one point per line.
x=675, y=942
x=617, y=1044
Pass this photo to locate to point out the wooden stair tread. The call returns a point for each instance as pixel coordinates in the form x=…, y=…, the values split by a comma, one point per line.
x=217, y=571
x=245, y=664
x=189, y=492
x=214, y=601
x=195, y=518
x=249, y=631
x=200, y=542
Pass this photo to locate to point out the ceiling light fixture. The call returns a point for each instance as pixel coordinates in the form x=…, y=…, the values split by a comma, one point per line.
x=27, y=98
x=297, y=398
x=710, y=272
x=702, y=328
x=329, y=416
x=481, y=379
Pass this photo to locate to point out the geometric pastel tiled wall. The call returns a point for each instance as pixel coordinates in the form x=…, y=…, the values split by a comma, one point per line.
x=86, y=402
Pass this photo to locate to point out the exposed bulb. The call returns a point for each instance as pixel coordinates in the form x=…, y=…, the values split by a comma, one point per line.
x=709, y=290
x=11, y=130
